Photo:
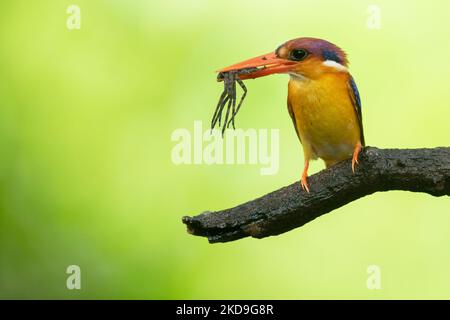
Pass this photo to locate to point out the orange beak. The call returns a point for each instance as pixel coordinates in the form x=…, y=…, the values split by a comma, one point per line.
x=261, y=66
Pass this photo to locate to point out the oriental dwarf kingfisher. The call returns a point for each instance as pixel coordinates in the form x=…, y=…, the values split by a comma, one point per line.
x=323, y=100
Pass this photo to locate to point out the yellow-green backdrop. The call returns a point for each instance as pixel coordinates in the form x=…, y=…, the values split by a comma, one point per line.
x=86, y=176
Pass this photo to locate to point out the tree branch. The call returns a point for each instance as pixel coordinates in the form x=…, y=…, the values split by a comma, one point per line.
x=416, y=170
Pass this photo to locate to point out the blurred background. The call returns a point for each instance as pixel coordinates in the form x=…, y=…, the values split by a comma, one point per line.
x=86, y=176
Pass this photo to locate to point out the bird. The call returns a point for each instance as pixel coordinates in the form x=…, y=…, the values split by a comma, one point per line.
x=323, y=99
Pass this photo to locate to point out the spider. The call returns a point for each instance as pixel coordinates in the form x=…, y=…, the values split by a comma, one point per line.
x=228, y=97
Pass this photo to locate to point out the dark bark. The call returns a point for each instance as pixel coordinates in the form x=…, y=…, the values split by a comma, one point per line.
x=416, y=170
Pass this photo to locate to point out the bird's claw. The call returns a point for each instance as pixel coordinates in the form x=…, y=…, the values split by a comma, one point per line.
x=354, y=163
x=304, y=183
x=356, y=153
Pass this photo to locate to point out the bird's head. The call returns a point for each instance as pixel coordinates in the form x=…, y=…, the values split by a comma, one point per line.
x=303, y=58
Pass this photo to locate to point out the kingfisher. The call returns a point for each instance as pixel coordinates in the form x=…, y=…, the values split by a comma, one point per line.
x=323, y=99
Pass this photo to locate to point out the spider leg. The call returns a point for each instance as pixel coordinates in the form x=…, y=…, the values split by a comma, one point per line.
x=219, y=117
x=233, y=94
x=244, y=88
x=230, y=102
x=215, y=116
x=223, y=101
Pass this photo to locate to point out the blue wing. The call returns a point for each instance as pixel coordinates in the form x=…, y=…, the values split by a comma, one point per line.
x=356, y=100
x=291, y=113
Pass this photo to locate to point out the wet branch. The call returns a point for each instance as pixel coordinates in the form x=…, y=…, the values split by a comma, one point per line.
x=416, y=170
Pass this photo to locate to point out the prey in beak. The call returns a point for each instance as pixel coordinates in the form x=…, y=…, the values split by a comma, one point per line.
x=260, y=66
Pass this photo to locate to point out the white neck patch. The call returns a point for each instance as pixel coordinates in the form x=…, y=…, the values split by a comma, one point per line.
x=334, y=64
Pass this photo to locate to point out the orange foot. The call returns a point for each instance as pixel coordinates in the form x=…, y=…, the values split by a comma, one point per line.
x=356, y=153
x=304, y=180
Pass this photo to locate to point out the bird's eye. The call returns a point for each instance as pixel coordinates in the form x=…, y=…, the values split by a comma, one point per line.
x=298, y=54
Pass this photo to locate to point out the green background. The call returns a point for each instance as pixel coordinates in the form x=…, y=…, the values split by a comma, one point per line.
x=86, y=175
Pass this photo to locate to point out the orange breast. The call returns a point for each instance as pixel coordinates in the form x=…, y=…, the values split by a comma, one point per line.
x=325, y=117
